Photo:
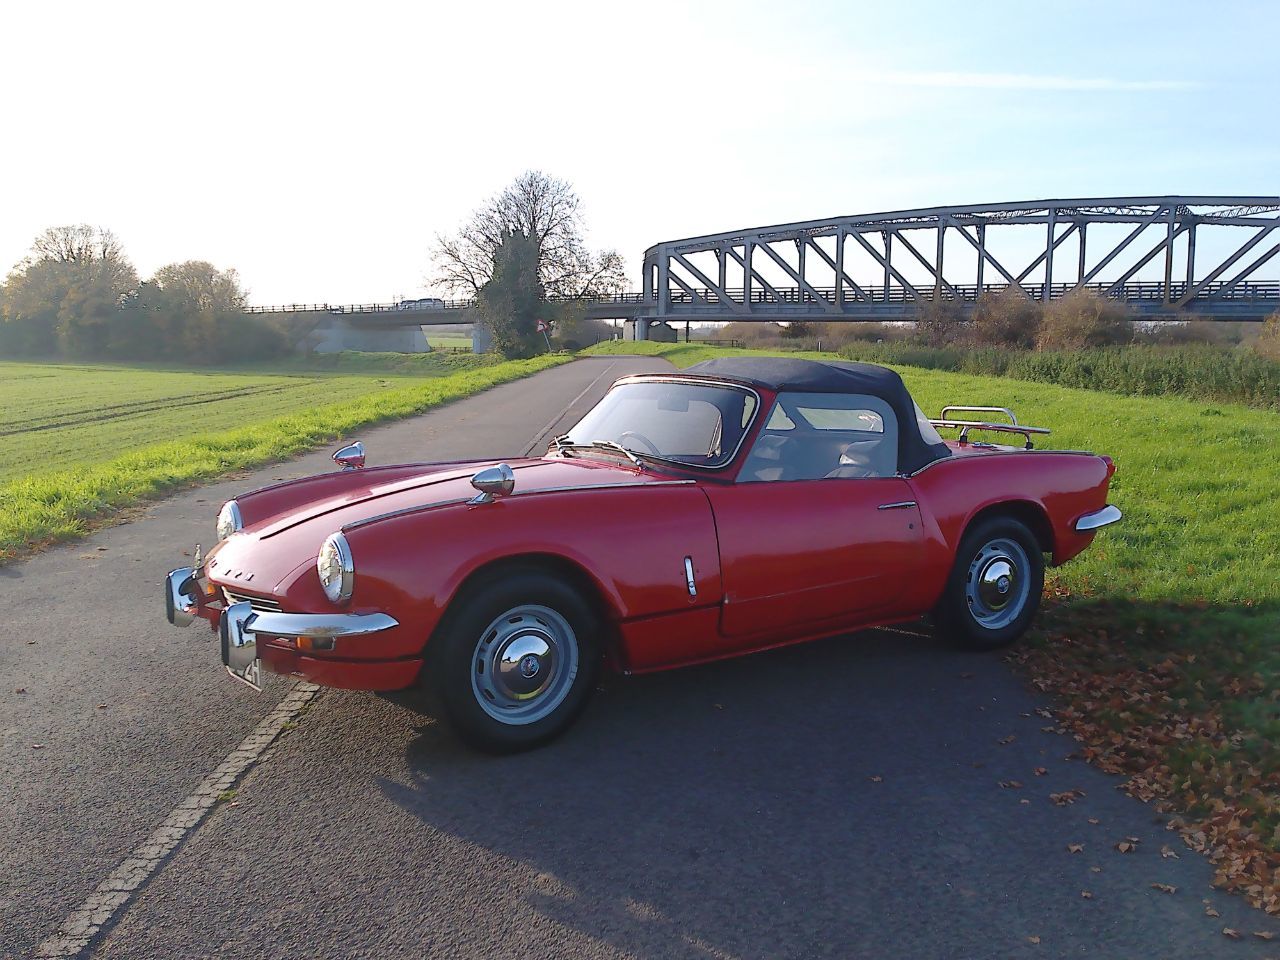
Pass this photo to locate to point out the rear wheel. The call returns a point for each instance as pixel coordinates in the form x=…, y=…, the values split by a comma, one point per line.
x=514, y=662
x=995, y=586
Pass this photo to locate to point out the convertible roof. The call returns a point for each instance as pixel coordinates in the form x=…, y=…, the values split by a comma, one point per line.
x=834, y=376
x=806, y=376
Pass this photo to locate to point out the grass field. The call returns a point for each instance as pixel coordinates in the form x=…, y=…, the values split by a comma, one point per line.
x=83, y=441
x=1163, y=638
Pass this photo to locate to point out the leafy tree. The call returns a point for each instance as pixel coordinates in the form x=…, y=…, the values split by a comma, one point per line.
x=65, y=293
x=510, y=302
x=546, y=210
x=796, y=330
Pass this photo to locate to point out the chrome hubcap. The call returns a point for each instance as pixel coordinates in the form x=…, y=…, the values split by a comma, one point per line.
x=997, y=585
x=524, y=665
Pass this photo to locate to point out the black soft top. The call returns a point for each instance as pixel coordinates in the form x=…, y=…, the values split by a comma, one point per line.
x=834, y=376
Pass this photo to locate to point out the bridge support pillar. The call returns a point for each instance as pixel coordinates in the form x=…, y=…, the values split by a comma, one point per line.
x=637, y=329
x=481, y=338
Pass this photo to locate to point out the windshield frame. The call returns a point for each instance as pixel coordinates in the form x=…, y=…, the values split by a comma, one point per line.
x=729, y=461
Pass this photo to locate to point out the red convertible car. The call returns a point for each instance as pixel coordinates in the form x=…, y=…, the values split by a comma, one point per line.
x=738, y=505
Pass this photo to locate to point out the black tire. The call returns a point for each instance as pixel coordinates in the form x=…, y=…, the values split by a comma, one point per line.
x=994, y=588
x=514, y=661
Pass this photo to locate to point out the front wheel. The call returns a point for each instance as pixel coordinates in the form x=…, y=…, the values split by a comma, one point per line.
x=514, y=662
x=995, y=586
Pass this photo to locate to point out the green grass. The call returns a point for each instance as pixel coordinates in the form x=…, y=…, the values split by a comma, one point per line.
x=76, y=453
x=449, y=342
x=1190, y=577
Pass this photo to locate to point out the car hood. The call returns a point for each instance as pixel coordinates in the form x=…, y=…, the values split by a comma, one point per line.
x=260, y=558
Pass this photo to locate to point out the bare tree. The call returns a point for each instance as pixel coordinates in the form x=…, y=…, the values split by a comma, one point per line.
x=545, y=209
x=94, y=250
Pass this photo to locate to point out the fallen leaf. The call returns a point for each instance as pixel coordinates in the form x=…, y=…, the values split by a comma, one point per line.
x=1066, y=796
x=1075, y=848
x=1233, y=934
x=1086, y=894
x=1169, y=853
x=102, y=548
x=1024, y=800
x=102, y=706
x=1264, y=934
x=1095, y=821
x=1095, y=869
x=876, y=779
x=1210, y=912
x=1011, y=784
x=1033, y=939
x=1005, y=741
x=20, y=690
x=37, y=746
x=1164, y=887
x=1124, y=846
x=1041, y=771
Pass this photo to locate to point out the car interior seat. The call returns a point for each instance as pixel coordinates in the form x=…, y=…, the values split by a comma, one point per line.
x=864, y=458
x=769, y=459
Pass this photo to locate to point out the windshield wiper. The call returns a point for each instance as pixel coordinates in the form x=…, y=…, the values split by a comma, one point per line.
x=614, y=445
x=563, y=444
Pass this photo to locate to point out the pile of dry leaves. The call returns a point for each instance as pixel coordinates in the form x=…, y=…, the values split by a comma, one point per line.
x=1155, y=714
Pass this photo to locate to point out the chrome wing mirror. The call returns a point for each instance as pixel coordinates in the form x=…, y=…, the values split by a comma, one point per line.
x=493, y=482
x=350, y=457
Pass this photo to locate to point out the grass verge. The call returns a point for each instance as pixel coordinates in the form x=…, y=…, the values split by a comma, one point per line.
x=1162, y=641
x=38, y=510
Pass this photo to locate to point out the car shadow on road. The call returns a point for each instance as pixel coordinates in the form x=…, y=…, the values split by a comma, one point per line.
x=843, y=798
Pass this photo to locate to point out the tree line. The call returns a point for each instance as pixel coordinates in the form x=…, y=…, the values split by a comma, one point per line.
x=77, y=295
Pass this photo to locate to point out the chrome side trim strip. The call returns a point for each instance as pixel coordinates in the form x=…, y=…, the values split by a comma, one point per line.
x=1099, y=518
x=318, y=624
x=420, y=508
x=900, y=505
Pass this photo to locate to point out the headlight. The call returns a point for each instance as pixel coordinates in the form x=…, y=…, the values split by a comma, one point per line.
x=229, y=520
x=337, y=573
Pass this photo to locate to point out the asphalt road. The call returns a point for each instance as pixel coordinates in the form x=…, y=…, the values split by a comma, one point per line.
x=840, y=799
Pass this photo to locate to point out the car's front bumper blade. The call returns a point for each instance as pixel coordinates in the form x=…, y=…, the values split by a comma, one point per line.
x=240, y=626
x=1097, y=519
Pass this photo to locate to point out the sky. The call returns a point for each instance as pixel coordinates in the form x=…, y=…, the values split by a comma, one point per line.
x=319, y=148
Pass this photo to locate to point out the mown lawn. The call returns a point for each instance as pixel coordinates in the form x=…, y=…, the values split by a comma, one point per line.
x=1163, y=639
x=82, y=441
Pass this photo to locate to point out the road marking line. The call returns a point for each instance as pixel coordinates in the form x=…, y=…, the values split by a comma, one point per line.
x=110, y=897
x=567, y=407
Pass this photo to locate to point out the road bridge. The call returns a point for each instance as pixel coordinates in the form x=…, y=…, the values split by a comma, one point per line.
x=1165, y=258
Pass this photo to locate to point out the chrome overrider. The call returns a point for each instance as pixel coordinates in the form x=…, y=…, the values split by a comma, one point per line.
x=240, y=625
x=1099, y=518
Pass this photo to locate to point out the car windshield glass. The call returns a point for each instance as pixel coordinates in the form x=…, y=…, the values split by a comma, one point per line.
x=696, y=424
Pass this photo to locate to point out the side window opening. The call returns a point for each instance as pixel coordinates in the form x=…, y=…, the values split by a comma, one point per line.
x=816, y=436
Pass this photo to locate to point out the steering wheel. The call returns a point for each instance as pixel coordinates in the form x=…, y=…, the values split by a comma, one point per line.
x=653, y=447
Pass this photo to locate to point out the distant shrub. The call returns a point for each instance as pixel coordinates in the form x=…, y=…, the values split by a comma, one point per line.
x=1201, y=371
x=1081, y=320
x=1268, y=343
x=937, y=322
x=1007, y=319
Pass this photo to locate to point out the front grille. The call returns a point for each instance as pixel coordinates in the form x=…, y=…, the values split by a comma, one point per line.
x=260, y=604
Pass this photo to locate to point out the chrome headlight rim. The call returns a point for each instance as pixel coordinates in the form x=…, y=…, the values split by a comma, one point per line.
x=337, y=584
x=229, y=520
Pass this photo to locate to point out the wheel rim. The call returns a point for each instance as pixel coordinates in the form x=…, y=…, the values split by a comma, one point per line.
x=524, y=664
x=998, y=584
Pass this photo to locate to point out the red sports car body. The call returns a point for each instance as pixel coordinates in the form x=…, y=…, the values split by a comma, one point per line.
x=732, y=507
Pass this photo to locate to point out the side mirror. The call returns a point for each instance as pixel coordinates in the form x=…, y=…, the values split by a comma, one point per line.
x=350, y=457
x=493, y=482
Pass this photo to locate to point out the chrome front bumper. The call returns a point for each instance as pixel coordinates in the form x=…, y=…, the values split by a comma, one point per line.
x=1098, y=519
x=239, y=625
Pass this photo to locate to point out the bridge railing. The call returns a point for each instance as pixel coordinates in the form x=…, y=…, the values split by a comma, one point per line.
x=1145, y=292
x=1139, y=292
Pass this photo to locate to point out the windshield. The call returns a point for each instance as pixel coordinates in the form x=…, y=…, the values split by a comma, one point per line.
x=690, y=423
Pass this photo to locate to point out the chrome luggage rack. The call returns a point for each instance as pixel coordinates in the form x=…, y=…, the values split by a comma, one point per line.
x=1013, y=426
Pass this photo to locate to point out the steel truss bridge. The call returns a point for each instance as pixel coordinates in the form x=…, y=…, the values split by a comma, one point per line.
x=1173, y=258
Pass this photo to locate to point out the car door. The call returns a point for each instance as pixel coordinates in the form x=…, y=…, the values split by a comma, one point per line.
x=813, y=536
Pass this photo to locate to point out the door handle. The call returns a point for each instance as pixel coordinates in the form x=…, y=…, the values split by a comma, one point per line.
x=900, y=505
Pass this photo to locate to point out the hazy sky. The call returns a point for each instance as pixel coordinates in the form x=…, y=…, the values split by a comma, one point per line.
x=319, y=147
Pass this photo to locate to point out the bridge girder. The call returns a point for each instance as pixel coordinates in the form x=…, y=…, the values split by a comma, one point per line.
x=750, y=266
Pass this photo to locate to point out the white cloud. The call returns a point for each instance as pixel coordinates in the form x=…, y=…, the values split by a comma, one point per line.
x=1020, y=81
